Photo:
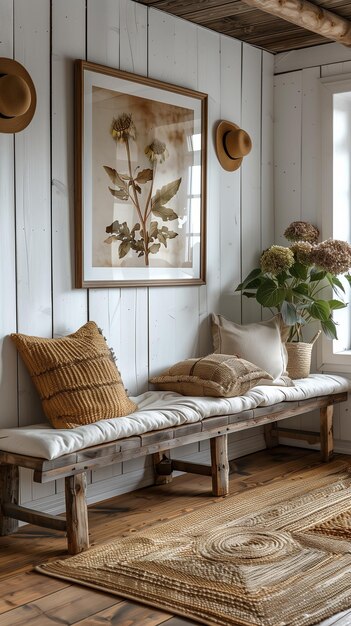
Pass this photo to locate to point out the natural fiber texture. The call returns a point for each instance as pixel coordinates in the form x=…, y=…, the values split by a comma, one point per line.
x=75, y=376
x=299, y=359
x=277, y=555
x=219, y=375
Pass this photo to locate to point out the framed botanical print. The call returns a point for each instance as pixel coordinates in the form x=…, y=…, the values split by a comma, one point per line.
x=140, y=180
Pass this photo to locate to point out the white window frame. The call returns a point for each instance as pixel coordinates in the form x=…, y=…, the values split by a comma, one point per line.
x=327, y=359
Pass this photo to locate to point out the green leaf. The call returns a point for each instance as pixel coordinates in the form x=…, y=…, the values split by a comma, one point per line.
x=282, y=277
x=302, y=291
x=336, y=304
x=163, y=195
x=165, y=213
x=115, y=177
x=348, y=278
x=335, y=282
x=154, y=248
x=320, y=310
x=269, y=295
x=144, y=176
x=249, y=278
x=329, y=329
x=316, y=275
x=298, y=270
x=124, y=249
x=254, y=284
x=289, y=313
x=121, y=194
x=249, y=294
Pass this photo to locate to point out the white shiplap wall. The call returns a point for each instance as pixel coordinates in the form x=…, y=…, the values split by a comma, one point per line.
x=298, y=164
x=149, y=328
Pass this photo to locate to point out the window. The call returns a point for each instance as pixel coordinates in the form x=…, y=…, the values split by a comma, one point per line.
x=336, y=200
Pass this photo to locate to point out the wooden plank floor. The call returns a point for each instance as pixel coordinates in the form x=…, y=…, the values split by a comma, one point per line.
x=31, y=599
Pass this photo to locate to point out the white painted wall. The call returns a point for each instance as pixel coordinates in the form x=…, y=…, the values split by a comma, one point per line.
x=298, y=165
x=149, y=328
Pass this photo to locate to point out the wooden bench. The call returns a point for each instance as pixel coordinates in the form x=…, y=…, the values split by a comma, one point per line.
x=73, y=467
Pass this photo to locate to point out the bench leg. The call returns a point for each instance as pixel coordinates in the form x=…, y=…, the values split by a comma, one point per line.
x=159, y=458
x=326, y=433
x=271, y=435
x=9, y=492
x=220, y=465
x=76, y=513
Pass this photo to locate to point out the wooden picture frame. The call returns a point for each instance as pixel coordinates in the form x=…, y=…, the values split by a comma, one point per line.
x=140, y=159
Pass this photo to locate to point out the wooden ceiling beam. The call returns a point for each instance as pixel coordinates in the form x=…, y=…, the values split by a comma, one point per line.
x=309, y=16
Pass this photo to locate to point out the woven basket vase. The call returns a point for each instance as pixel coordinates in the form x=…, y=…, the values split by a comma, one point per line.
x=299, y=357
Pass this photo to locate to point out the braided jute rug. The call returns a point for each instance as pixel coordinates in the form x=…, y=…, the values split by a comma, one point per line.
x=276, y=555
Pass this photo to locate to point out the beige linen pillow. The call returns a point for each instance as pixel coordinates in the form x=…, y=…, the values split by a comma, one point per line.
x=76, y=377
x=219, y=375
x=258, y=343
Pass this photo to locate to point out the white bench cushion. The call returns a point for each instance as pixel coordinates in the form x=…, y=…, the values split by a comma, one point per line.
x=157, y=410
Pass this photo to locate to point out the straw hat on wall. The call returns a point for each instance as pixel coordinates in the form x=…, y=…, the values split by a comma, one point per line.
x=17, y=96
x=232, y=144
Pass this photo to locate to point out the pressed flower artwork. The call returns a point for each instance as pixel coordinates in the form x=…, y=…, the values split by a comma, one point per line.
x=141, y=206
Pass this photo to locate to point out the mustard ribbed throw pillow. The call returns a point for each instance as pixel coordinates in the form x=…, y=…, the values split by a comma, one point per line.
x=219, y=375
x=76, y=377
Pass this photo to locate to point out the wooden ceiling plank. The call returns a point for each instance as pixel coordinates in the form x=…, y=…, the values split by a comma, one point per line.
x=307, y=15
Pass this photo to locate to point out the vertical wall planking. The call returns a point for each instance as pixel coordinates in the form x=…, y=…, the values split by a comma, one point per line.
x=68, y=43
x=32, y=162
x=287, y=151
x=133, y=37
x=311, y=147
x=230, y=184
x=173, y=311
x=8, y=363
x=267, y=159
x=209, y=81
x=102, y=47
x=134, y=304
x=251, y=172
x=33, y=207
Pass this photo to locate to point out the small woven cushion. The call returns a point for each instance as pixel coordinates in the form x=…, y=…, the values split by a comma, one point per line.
x=219, y=375
x=76, y=377
x=261, y=343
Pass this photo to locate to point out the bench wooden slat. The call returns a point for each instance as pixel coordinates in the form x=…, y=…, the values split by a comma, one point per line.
x=240, y=417
x=157, y=435
x=17, y=512
x=280, y=407
x=209, y=423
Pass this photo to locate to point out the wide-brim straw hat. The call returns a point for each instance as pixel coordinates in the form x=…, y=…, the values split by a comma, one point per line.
x=232, y=144
x=17, y=96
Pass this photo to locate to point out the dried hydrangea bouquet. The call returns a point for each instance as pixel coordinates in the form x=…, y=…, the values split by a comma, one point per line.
x=294, y=280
